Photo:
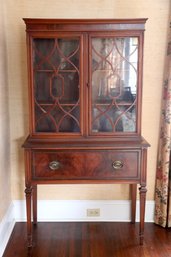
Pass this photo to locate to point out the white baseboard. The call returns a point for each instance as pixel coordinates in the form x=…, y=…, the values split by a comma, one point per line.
x=6, y=227
x=76, y=210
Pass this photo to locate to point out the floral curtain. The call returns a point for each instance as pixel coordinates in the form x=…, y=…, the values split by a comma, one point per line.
x=163, y=177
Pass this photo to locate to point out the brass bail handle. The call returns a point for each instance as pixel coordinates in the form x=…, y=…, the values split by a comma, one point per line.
x=117, y=165
x=54, y=165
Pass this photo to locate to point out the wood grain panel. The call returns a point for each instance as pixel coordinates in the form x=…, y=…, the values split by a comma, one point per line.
x=86, y=164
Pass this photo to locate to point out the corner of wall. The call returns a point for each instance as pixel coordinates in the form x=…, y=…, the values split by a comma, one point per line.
x=6, y=227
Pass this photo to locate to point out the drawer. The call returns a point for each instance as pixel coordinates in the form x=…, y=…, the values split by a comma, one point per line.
x=88, y=164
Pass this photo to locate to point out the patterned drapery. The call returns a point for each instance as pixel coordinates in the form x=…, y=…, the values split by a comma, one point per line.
x=163, y=178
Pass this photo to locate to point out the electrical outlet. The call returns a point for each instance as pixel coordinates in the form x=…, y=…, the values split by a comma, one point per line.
x=93, y=212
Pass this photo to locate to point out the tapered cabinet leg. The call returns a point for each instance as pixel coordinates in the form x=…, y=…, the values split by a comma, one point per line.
x=142, y=191
x=28, y=193
x=35, y=204
x=133, y=201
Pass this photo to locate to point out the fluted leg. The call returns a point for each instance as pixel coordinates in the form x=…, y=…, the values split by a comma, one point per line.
x=142, y=191
x=28, y=193
x=133, y=201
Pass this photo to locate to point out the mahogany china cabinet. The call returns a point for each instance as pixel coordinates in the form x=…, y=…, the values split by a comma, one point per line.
x=85, y=97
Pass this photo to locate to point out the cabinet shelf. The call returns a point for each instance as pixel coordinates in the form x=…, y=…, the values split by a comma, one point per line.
x=114, y=104
x=104, y=70
x=61, y=104
x=37, y=70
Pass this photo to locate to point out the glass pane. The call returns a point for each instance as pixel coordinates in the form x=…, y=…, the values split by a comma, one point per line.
x=56, y=84
x=114, y=84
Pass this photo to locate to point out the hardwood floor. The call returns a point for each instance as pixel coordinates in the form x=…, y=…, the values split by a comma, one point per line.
x=93, y=239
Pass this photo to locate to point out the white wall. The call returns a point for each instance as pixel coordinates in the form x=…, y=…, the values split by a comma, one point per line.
x=5, y=176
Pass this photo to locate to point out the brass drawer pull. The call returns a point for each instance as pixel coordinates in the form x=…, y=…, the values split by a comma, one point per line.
x=54, y=165
x=117, y=165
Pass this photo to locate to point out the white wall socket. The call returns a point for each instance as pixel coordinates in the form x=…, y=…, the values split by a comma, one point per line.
x=93, y=212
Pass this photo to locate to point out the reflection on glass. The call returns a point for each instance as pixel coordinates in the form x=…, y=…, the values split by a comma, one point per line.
x=56, y=84
x=114, y=84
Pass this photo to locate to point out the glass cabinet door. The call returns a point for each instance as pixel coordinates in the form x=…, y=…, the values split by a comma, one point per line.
x=113, y=68
x=56, y=80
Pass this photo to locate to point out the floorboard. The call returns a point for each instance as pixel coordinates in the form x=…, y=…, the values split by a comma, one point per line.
x=90, y=239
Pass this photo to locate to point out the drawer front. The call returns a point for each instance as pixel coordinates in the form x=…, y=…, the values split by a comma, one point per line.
x=95, y=165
